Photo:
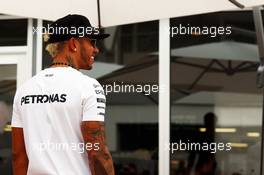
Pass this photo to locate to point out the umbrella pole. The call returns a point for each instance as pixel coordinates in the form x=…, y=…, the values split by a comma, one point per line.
x=260, y=41
x=99, y=14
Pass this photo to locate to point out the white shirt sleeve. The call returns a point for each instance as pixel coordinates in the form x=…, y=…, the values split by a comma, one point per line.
x=16, y=115
x=93, y=103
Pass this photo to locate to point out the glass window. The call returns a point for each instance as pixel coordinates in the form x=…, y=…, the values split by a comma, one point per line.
x=216, y=109
x=7, y=92
x=13, y=32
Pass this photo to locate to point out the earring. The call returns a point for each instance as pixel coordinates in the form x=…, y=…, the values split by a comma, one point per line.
x=75, y=49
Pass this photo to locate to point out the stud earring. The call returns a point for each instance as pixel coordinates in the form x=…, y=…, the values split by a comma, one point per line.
x=75, y=49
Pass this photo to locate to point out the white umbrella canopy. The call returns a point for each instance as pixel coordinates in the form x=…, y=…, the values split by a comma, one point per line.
x=229, y=67
x=127, y=11
x=51, y=9
x=190, y=75
x=117, y=12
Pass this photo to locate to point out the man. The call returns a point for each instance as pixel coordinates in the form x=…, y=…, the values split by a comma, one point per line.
x=58, y=115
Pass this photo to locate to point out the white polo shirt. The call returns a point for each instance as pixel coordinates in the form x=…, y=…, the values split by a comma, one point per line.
x=50, y=107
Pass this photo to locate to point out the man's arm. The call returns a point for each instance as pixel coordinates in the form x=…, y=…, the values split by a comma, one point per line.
x=100, y=161
x=19, y=155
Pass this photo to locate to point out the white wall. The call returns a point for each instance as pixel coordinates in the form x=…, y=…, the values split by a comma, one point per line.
x=242, y=116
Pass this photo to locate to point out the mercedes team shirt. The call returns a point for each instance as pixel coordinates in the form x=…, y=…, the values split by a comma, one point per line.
x=50, y=108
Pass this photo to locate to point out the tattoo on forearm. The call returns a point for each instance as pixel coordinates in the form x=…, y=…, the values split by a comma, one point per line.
x=100, y=161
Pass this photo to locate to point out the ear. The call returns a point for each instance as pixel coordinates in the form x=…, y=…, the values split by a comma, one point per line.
x=73, y=44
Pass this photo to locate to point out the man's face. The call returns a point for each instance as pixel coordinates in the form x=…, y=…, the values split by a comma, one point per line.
x=88, y=51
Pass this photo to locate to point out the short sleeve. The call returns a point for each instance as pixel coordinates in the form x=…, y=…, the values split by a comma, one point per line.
x=93, y=102
x=16, y=114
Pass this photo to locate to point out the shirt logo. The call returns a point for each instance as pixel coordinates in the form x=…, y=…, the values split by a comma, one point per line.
x=101, y=100
x=96, y=85
x=52, y=98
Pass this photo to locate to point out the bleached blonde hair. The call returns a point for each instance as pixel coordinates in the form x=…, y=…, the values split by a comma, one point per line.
x=53, y=48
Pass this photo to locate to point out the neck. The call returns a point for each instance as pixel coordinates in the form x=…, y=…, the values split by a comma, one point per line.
x=63, y=61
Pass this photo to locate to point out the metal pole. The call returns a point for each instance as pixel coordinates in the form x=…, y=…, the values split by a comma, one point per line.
x=238, y=4
x=99, y=14
x=260, y=41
